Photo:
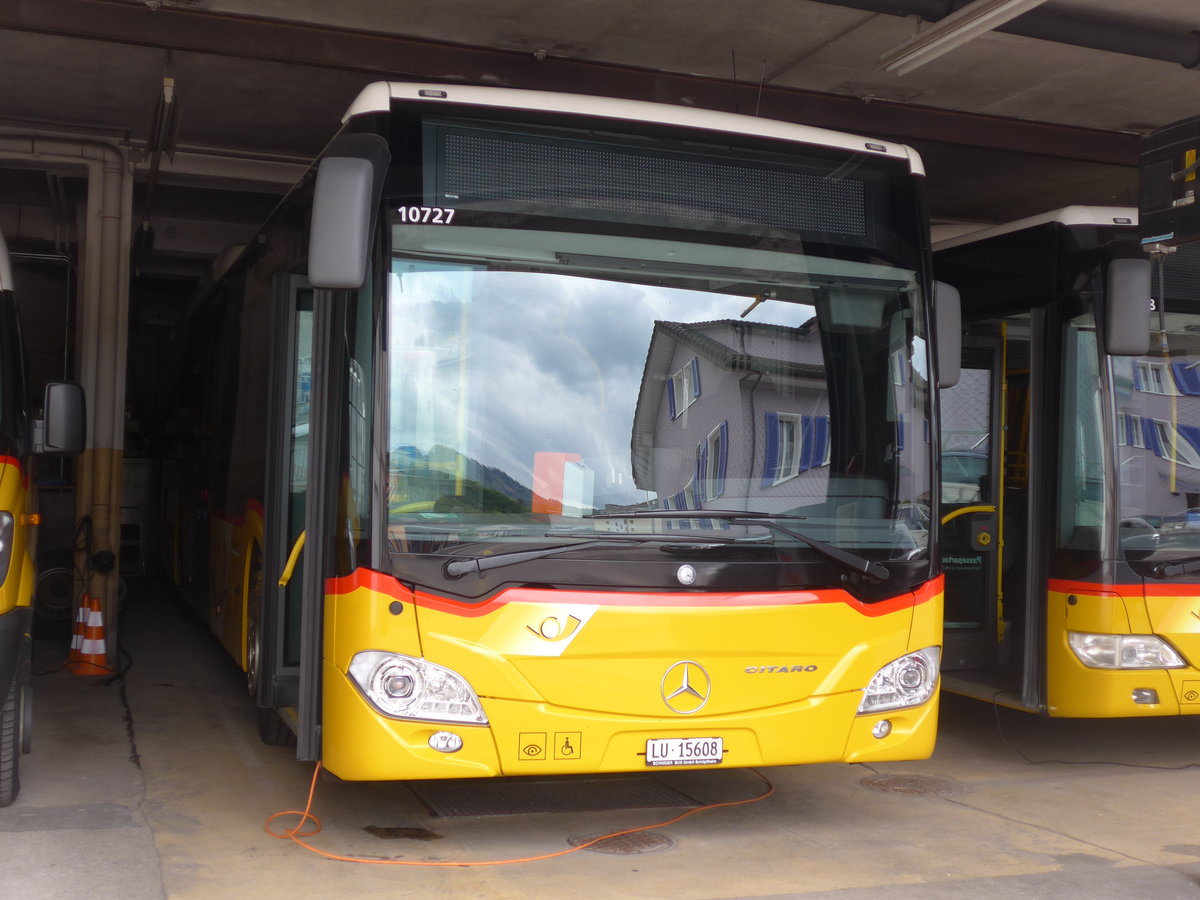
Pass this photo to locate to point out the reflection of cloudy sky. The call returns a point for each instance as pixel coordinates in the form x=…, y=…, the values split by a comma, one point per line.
x=551, y=363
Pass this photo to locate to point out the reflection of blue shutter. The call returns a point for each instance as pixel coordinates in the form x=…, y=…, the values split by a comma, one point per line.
x=821, y=439
x=1191, y=434
x=771, y=451
x=806, y=443
x=695, y=377
x=900, y=434
x=1150, y=433
x=698, y=488
x=1187, y=378
x=723, y=459
x=671, y=396
x=1137, y=375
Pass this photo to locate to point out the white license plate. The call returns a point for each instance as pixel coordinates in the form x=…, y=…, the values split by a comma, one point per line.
x=684, y=751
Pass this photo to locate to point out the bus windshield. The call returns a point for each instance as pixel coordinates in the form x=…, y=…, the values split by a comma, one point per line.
x=547, y=388
x=1158, y=440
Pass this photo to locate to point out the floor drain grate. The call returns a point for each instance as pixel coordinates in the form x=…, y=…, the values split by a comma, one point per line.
x=626, y=844
x=914, y=785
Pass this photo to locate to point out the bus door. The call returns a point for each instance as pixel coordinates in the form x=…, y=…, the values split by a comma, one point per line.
x=973, y=438
x=286, y=504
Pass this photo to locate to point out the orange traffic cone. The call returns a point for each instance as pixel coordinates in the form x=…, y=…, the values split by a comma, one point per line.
x=80, y=623
x=90, y=657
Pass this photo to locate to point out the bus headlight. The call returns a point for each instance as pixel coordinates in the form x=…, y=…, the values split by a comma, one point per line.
x=907, y=681
x=405, y=687
x=6, y=543
x=1124, y=651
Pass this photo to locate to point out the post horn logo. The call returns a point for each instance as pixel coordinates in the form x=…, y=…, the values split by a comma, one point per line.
x=685, y=687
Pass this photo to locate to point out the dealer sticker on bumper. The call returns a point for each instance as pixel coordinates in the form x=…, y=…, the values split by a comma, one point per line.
x=684, y=751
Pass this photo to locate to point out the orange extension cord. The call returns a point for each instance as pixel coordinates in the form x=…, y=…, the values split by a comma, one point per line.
x=298, y=833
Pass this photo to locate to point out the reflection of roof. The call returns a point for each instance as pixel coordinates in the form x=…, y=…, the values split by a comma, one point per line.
x=698, y=337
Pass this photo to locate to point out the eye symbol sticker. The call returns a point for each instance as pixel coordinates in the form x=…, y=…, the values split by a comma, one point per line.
x=551, y=629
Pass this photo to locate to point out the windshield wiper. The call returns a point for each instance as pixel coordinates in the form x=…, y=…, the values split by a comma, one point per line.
x=457, y=568
x=874, y=572
x=1179, y=567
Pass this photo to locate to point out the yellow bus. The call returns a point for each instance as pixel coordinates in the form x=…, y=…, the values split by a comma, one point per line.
x=60, y=431
x=1071, y=470
x=549, y=434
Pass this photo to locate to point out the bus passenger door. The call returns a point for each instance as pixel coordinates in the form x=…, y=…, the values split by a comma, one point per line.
x=972, y=532
x=286, y=497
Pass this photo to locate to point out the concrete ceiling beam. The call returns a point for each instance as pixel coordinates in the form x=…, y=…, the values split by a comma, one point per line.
x=397, y=57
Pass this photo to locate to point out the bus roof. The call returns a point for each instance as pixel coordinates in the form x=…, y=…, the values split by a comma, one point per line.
x=1068, y=215
x=377, y=97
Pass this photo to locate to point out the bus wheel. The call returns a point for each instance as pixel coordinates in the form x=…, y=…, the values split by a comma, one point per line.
x=272, y=729
x=254, y=624
x=13, y=734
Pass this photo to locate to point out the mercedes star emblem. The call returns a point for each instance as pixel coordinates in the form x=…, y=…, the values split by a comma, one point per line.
x=685, y=687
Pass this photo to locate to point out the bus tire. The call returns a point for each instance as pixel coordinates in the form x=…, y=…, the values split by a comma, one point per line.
x=272, y=729
x=254, y=626
x=12, y=740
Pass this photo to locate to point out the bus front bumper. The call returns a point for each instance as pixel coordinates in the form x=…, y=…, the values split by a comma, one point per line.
x=530, y=738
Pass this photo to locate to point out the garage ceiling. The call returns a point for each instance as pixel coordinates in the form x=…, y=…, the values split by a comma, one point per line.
x=1009, y=124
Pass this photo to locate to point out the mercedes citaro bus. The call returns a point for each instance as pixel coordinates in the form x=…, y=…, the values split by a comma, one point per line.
x=1071, y=469
x=542, y=434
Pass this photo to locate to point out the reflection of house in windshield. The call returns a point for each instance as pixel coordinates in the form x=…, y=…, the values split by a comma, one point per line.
x=966, y=437
x=1158, y=432
x=730, y=410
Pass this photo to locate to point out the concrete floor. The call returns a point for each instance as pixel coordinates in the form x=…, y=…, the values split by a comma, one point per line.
x=160, y=788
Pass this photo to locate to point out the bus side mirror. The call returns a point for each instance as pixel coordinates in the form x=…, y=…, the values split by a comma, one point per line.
x=349, y=183
x=1127, y=310
x=948, y=310
x=62, y=431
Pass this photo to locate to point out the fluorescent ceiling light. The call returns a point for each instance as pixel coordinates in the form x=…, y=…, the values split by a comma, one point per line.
x=953, y=31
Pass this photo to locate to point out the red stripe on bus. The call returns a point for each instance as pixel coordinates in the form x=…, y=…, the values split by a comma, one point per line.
x=390, y=586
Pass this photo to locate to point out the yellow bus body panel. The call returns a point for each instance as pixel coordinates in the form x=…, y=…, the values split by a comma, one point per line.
x=17, y=587
x=1075, y=690
x=231, y=546
x=573, y=681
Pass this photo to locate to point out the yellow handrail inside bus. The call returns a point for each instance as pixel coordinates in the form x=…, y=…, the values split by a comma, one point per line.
x=291, y=560
x=951, y=516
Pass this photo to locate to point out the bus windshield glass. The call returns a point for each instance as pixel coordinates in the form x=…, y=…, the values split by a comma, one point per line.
x=622, y=347
x=548, y=387
x=1158, y=439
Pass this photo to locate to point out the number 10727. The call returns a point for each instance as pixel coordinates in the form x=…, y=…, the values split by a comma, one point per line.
x=426, y=215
